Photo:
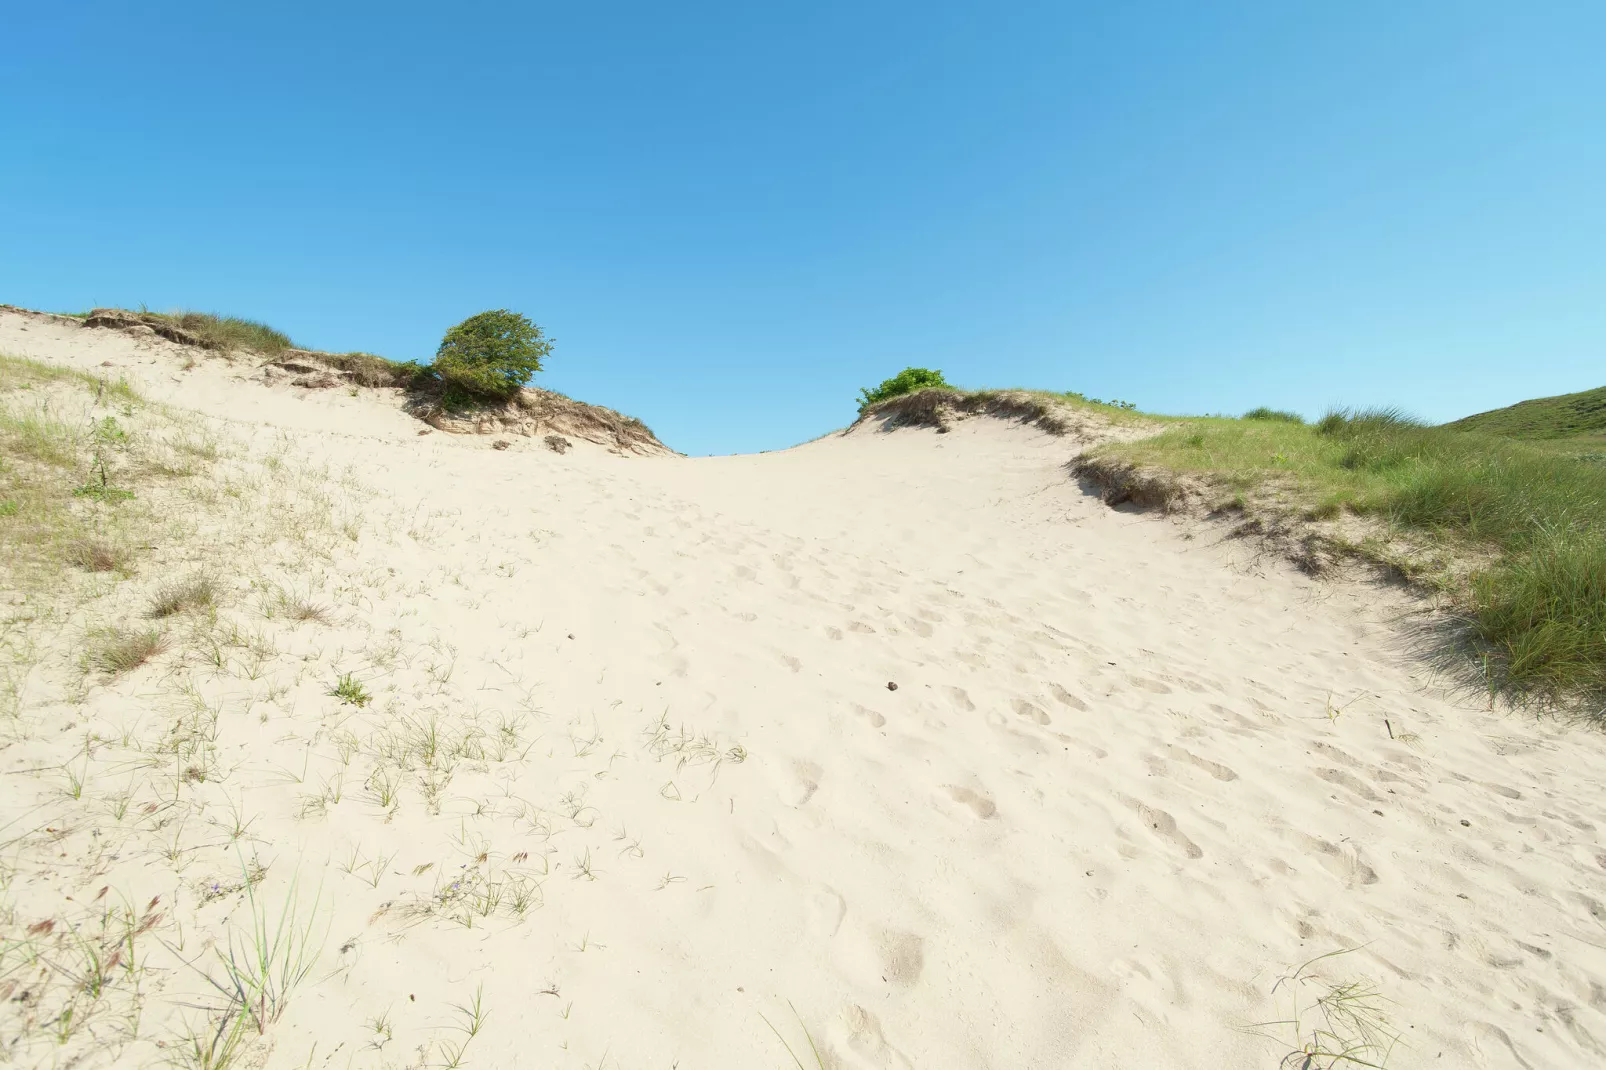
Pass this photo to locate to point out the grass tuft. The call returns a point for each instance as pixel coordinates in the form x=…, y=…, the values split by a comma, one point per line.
x=99, y=555
x=197, y=591
x=123, y=650
x=226, y=333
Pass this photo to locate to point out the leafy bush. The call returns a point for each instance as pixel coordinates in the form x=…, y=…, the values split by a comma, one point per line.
x=905, y=382
x=491, y=355
x=1263, y=413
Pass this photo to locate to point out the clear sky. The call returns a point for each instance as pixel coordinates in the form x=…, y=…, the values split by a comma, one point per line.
x=732, y=216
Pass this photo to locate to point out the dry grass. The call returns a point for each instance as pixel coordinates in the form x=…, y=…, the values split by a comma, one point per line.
x=121, y=650
x=196, y=591
x=100, y=555
x=207, y=330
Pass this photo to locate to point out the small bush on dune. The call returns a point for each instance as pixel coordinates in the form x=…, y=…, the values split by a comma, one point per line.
x=490, y=356
x=905, y=382
x=1263, y=413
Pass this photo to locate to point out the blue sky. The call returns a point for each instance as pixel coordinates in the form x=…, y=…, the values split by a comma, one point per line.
x=732, y=216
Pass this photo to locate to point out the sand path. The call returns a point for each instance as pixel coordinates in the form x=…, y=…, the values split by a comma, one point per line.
x=1130, y=774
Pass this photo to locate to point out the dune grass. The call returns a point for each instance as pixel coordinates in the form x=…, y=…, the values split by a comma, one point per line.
x=1581, y=415
x=1532, y=520
x=227, y=332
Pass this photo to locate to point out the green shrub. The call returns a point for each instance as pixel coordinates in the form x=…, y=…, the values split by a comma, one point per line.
x=491, y=355
x=1263, y=413
x=905, y=382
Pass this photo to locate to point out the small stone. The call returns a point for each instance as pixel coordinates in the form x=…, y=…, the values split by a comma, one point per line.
x=501, y=444
x=891, y=686
x=1465, y=823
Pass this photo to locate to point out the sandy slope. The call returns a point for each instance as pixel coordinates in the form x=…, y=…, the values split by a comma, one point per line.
x=1130, y=774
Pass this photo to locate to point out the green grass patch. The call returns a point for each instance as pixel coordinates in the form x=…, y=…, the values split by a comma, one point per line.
x=1538, y=514
x=226, y=332
x=75, y=449
x=1564, y=416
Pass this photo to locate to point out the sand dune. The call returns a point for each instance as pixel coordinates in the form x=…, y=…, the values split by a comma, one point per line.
x=634, y=769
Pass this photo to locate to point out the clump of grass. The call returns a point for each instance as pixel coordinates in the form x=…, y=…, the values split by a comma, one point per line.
x=196, y=591
x=122, y=650
x=300, y=608
x=349, y=689
x=1345, y=1025
x=99, y=555
x=1264, y=413
x=226, y=333
x=263, y=969
x=368, y=369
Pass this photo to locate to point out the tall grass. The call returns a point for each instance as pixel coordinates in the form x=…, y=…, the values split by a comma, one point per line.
x=227, y=332
x=1535, y=516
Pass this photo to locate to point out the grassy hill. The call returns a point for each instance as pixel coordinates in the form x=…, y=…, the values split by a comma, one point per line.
x=1581, y=415
x=1503, y=514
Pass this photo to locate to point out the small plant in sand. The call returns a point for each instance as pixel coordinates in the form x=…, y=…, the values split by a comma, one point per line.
x=261, y=972
x=491, y=355
x=349, y=689
x=98, y=555
x=1333, y=1025
x=120, y=650
x=198, y=591
x=808, y=1038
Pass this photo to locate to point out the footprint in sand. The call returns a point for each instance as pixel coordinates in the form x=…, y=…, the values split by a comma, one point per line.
x=960, y=699
x=824, y=908
x=883, y=958
x=1027, y=711
x=1215, y=769
x=875, y=719
x=1065, y=698
x=805, y=781
x=979, y=805
x=1163, y=825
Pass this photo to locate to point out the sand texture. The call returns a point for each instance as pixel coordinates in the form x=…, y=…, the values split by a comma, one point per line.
x=632, y=773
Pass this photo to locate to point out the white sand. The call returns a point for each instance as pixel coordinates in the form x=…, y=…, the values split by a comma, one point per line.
x=1112, y=799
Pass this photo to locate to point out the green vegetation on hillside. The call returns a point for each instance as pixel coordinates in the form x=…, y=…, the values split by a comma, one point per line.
x=905, y=382
x=1564, y=416
x=1527, y=522
x=913, y=380
x=491, y=355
